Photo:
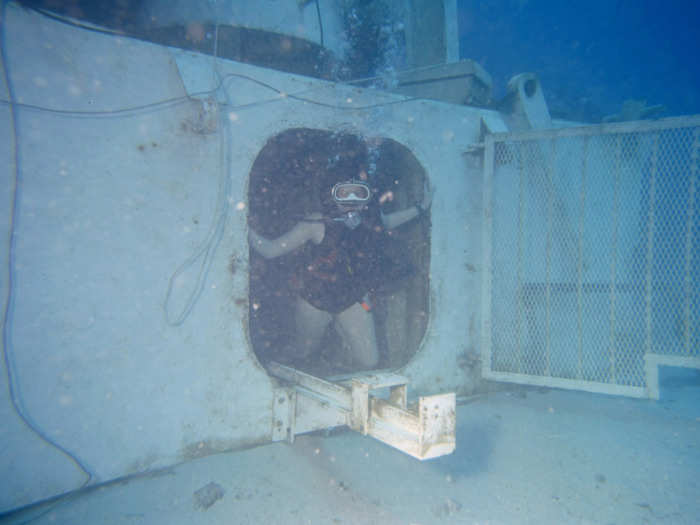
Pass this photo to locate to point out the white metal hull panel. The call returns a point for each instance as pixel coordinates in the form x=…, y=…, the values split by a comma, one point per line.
x=123, y=349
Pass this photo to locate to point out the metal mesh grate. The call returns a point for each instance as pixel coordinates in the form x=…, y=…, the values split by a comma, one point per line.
x=593, y=251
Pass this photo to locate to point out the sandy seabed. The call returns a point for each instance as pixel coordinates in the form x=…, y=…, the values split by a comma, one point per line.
x=524, y=455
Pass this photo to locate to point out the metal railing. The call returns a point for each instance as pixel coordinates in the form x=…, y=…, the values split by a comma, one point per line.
x=592, y=253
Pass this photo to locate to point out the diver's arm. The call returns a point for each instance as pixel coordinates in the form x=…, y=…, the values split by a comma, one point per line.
x=397, y=218
x=295, y=238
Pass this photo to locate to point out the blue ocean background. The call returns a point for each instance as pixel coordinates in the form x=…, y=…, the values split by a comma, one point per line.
x=590, y=56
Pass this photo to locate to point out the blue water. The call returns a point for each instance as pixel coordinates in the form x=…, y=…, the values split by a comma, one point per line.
x=590, y=56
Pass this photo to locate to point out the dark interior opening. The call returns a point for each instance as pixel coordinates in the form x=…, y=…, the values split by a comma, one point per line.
x=284, y=186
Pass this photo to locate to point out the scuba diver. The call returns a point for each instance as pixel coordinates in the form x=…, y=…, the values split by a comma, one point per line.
x=340, y=265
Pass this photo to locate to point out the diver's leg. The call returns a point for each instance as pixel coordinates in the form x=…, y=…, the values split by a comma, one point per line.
x=356, y=327
x=311, y=323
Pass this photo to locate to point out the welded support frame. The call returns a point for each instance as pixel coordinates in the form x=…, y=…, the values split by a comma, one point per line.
x=306, y=403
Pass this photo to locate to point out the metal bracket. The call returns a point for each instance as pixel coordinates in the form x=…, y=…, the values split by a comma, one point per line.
x=310, y=403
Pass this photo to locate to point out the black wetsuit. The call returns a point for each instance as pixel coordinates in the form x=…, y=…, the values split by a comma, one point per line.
x=338, y=272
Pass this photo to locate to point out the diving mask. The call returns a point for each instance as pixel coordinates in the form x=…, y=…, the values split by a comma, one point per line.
x=352, y=193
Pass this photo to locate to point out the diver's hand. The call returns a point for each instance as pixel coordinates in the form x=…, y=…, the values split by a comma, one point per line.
x=427, y=195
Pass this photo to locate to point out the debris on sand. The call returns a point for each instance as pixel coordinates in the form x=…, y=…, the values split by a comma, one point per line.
x=208, y=495
x=447, y=509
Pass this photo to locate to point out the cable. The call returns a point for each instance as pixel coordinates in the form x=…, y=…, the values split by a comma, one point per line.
x=61, y=499
x=320, y=21
x=295, y=96
x=208, y=248
x=212, y=240
x=71, y=22
x=77, y=113
x=186, y=98
x=8, y=306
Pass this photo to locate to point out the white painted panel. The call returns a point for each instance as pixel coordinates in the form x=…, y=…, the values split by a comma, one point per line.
x=112, y=205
